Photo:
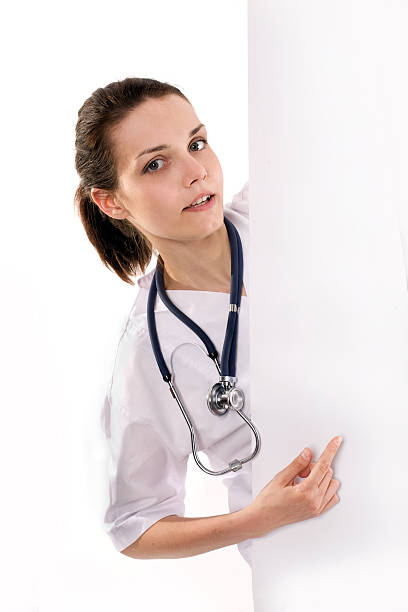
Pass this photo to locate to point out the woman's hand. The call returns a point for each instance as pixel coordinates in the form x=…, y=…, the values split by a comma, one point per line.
x=283, y=501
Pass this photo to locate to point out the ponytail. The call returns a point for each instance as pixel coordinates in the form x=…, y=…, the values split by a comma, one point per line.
x=121, y=247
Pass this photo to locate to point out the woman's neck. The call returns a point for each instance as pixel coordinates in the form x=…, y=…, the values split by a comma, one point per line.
x=170, y=284
x=203, y=265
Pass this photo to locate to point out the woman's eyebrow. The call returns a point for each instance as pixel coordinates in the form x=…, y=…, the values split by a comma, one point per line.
x=164, y=146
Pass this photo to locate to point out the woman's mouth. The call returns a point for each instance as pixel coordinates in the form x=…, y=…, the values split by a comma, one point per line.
x=204, y=206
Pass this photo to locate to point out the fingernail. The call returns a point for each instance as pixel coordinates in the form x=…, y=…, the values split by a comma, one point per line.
x=305, y=453
x=339, y=440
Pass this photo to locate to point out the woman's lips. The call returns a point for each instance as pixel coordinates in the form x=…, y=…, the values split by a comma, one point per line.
x=205, y=206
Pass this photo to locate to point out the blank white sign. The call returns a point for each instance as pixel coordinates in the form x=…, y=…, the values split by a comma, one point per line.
x=328, y=193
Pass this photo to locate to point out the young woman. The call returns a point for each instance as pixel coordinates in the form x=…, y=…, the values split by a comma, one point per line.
x=143, y=159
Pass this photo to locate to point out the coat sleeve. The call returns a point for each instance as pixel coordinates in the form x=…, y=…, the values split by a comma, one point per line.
x=146, y=480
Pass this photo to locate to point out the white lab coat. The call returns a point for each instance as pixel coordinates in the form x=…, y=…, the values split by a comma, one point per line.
x=148, y=437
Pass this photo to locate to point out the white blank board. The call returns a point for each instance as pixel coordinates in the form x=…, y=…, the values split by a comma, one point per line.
x=328, y=193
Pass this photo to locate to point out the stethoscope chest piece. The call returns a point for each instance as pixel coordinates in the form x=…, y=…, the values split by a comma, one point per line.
x=224, y=396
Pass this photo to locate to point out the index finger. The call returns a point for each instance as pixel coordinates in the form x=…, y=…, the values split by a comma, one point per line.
x=323, y=463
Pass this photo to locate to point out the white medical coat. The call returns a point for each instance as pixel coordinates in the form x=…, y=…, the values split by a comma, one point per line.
x=148, y=437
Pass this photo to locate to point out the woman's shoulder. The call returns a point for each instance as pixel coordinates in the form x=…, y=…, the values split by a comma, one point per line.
x=240, y=201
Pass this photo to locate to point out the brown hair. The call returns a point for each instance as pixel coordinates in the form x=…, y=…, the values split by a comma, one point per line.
x=120, y=245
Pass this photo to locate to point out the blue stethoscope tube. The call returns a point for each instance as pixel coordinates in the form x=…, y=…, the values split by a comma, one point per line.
x=223, y=395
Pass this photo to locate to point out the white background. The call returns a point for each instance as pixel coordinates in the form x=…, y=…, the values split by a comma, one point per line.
x=62, y=310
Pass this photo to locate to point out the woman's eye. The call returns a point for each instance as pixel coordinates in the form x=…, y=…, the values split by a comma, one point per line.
x=199, y=140
x=154, y=161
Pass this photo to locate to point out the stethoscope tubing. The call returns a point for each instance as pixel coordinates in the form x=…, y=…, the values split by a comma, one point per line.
x=228, y=358
x=227, y=368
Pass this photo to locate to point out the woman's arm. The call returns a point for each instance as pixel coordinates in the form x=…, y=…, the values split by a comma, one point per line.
x=279, y=503
x=173, y=537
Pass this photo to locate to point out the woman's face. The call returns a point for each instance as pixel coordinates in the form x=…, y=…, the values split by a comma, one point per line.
x=155, y=187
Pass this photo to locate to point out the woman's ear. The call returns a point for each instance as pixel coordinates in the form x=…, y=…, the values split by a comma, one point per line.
x=108, y=204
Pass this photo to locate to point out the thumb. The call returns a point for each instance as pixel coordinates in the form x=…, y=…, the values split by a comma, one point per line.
x=294, y=468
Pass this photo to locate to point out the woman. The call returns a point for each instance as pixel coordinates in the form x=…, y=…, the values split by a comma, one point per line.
x=143, y=158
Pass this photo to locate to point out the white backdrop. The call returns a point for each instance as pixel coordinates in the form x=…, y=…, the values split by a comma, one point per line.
x=62, y=310
x=328, y=151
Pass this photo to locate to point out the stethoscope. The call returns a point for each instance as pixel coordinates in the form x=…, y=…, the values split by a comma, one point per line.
x=223, y=395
